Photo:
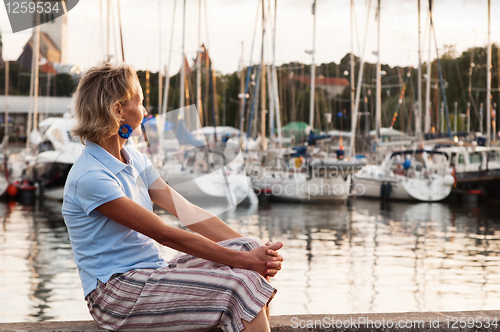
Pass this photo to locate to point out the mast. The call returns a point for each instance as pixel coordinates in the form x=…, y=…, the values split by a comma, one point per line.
x=263, y=84
x=427, y=127
x=353, y=88
x=160, y=80
x=418, y=124
x=167, y=69
x=241, y=95
x=270, y=83
x=378, y=96
x=488, y=83
x=198, y=67
x=108, y=33
x=275, y=77
x=37, y=74
x=6, y=130
x=313, y=70
x=183, y=93
x=358, y=91
x=120, y=27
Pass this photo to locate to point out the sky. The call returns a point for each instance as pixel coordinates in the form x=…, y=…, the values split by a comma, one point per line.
x=225, y=24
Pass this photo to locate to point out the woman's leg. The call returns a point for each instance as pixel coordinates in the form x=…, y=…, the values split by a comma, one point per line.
x=258, y=324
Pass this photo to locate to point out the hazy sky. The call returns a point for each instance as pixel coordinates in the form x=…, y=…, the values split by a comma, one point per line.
x=229, y=22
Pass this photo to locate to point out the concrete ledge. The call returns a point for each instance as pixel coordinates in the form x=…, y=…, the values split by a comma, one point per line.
x=413, y=321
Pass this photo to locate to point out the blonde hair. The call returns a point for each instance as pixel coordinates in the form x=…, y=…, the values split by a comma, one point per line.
x=98, y=92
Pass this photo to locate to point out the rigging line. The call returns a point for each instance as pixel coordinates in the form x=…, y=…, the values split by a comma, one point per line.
x=474, y=106
x=206, y=22
x=402, y=94
x=356, y=26
x=101, y=31
x=249, y=70
x=120, y=27
x=167, y=76
x=358, y=90
x=443, y=92
x=113, y=24
x=455, y=61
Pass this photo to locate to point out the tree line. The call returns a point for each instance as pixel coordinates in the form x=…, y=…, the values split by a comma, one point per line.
x=464, y=78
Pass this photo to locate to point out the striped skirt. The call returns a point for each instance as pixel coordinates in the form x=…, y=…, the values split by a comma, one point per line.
x=191, y=294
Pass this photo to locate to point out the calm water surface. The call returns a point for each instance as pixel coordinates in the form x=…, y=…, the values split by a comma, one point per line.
x=364, y=256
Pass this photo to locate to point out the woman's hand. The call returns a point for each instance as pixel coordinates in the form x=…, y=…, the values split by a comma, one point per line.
x=273, y=266
x=266, y=260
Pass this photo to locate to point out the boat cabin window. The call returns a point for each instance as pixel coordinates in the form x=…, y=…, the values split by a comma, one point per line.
x=453, y=159
x=461, y=159
x=45, y=146
x=476, y=158
x=493, y=156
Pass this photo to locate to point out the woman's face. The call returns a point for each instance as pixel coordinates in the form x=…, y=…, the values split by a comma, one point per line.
x=133, y=112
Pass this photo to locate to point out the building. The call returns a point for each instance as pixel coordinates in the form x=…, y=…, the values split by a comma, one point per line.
x=333, y=86
x=48, y=51
x=53, y=42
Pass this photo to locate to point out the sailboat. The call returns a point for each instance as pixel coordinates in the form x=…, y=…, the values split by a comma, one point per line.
x=413, y=174
x=202, y=172
x=307, y=173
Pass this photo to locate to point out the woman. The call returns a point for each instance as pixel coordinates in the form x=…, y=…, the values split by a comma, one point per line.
x=108, y=197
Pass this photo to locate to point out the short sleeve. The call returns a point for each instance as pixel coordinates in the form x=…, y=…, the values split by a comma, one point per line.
x=96, y=188
x=150, y=173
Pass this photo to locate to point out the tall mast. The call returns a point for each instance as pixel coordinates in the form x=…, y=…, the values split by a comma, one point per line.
x=120, y=28
x=353, y=88
x=6, y=116
x=37, y=74
x=108, y=33
x=241, y=95
x=275, y=78
x=358, y=91
x=378, y=104
x=183, y=93
x=488, y=83
x=427, y=127
x=418, y=124
x=263, y=83
x=270, y=80
x=167, y=76
x=313, y=70
x=160, y=80
x=198, y=67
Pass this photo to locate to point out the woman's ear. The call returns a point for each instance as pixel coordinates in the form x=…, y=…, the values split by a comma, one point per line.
x=117, y=108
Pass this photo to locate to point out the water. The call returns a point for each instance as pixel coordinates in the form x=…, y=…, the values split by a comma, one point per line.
x=364, y=256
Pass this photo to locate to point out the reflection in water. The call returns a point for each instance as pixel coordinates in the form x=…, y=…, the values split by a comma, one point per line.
x=40, y=281
x=363, y=256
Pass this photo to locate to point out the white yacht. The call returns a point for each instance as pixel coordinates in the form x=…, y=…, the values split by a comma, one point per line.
x=407, y=175
x=48, y=164
x=317, y=180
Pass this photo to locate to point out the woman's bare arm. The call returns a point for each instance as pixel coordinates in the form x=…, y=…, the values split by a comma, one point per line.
x=193, y=217
x=132, y=215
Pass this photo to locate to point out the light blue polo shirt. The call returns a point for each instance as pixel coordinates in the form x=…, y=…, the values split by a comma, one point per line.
x=101, y=246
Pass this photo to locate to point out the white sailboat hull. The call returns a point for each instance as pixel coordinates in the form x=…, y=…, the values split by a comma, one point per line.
x=432, y=189
x=296, y=187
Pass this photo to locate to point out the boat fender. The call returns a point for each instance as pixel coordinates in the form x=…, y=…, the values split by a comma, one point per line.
x=385, y=190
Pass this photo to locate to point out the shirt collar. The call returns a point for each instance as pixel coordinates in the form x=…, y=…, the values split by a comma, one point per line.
x=104, y=157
